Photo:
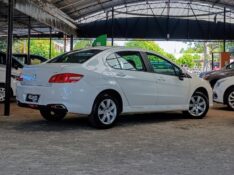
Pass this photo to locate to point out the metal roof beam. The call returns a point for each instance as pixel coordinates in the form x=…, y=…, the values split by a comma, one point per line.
x=48, y=14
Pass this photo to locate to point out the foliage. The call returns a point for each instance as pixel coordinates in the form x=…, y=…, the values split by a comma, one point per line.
x=3, y=45
x=37, y=47
x=189, y=59
x=199, y=47
x=149, y=45
x=81, y=44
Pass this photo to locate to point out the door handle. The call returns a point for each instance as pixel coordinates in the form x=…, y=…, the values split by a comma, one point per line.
x=120, y=74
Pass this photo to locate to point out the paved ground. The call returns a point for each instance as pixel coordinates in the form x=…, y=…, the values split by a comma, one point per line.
x=138, y=145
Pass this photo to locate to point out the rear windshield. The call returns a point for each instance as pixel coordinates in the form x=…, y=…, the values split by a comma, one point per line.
x=75, y=57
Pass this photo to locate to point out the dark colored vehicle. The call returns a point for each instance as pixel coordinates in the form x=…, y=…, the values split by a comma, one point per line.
x=15, y=62
x=214, y=76
x=22, y=58
x=35, y=59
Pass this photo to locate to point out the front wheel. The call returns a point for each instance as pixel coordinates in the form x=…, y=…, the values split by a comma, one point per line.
x=52, y=115
x=198, y=106
x=230, y=98
x=105, y=112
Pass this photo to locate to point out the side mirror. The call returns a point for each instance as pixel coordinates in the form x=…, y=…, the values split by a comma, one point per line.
x=182, y=75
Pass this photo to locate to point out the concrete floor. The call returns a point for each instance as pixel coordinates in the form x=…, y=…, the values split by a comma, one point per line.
x=138, y=145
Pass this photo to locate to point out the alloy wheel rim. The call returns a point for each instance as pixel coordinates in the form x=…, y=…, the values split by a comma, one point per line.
x=2, y=94
x=107, y=111
x=231, y=99
x=197, y=106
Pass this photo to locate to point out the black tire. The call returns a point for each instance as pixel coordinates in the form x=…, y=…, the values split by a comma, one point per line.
x=99, y=119
x=2, y=98
x=52, y=115
x=193, y=106
x=2, y=93
x=228, y=96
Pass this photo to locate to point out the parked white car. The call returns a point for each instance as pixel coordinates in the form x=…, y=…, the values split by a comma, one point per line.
x=224, y=91
x=16, y=70
x=104, y=82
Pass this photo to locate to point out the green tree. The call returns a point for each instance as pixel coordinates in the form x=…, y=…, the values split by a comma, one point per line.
x=3, y=44
x=149, y=45
x=37, y=47
x=81, y=44
x=189, y=59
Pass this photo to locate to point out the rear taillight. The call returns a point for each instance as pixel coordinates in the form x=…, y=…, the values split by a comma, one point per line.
x=20, y=77
x=65, y=78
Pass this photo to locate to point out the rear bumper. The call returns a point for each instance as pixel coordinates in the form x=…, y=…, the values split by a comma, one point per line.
x=57, y=107
x=74, y=99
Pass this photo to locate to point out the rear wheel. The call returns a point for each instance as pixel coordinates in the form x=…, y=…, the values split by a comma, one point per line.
x=105, y=112
x=230, y=98
x=198, y=106
x=52, y=115
x=2, y=93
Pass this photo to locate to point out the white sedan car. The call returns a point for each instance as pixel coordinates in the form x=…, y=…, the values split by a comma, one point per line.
x=15, y=72
x=104, y=82
x=224, y=92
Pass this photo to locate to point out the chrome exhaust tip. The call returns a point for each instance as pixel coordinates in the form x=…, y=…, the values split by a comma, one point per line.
x=58, y=107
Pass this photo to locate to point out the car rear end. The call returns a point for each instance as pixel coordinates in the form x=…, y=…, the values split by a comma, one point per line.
x=55, y=85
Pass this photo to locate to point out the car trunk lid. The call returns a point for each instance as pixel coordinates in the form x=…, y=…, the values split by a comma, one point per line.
x=39, y=75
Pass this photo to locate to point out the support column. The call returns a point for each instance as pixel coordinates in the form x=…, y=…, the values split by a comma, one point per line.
x=29, y=38
x=50, y=43
x=168, y=20
x=65, y=42
x=224, y=28
x=71, y=43
x=9, y=58
x=112, y=26
x=212, y=62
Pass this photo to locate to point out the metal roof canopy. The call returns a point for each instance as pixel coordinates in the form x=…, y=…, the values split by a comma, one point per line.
x=77, y=17
x=162, y=19
x=40, y=16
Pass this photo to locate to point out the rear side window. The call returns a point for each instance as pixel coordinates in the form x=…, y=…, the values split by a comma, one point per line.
x=126, y=60
x=131, y=60
x=113, y=61
x=75, y=57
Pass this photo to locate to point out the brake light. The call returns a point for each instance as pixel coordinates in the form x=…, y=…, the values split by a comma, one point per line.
x=65, y=78
x=20, y=77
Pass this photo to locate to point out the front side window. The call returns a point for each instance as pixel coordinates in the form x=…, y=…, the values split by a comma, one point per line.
x=130, y=60
x=161, y=65
x=76, y=57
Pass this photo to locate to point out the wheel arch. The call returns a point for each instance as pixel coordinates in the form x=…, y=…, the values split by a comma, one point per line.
x=226, y=93
x=113, y=93
x=202, y=90
x=3, y=84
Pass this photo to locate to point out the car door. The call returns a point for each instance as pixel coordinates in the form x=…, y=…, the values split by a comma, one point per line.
x=130, y=73
x=170, y=89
